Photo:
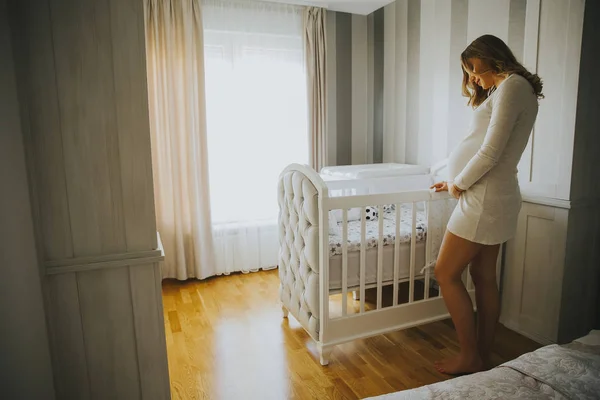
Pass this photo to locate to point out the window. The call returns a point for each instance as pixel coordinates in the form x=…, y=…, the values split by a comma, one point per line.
x=256, y=94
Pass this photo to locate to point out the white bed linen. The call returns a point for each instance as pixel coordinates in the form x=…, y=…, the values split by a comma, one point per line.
x=440, y=212
x=372, y=244
x=372, y=231
x=553, y=372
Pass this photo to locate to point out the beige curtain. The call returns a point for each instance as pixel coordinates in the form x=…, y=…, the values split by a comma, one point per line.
x=175, y=63
x=315, y=53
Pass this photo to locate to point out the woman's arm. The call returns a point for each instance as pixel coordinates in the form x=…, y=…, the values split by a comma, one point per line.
x=507, y=106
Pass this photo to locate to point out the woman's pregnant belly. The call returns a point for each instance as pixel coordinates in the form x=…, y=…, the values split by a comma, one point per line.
x=462, y=154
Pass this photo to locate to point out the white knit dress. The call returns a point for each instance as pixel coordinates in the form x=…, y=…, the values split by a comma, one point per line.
x=484, y=164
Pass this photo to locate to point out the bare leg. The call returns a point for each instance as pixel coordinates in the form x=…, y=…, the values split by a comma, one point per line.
x=483, y=272
x=455, y=255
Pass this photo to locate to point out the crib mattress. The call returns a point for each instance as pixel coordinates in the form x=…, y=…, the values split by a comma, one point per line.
x=372, y=243
x=335, y=266
x=372, y=231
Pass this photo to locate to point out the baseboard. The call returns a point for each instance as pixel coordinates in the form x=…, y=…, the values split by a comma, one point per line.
x=536, y=338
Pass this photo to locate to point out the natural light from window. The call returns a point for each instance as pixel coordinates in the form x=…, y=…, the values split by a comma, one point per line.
x=257, y=120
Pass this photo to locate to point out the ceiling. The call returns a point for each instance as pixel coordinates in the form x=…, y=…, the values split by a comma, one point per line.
x=363, y=7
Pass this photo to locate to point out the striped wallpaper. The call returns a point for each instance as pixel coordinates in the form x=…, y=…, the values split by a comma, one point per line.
x=395, y=95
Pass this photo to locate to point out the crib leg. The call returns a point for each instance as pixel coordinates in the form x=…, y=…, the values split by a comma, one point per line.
x=324, y=353
x=284, y=311
x=355, y=295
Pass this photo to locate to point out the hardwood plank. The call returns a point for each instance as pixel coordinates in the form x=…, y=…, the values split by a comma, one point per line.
x=174, y=322
x=342, y=390
x=226, y=339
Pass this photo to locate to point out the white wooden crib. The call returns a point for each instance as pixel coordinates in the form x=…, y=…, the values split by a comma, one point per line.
x=406, y=240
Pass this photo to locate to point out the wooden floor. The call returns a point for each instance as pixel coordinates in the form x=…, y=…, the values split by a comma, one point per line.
x=226, y=339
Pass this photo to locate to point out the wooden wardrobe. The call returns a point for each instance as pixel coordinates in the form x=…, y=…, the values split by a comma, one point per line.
x=81, y=78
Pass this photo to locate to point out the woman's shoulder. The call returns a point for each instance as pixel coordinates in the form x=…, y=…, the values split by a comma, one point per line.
x=516, y=86
x=515, y=83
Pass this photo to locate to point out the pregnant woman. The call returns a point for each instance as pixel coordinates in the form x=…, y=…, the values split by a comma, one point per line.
x=483, y=176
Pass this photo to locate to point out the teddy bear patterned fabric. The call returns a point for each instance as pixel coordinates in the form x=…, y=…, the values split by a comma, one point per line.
x=372, y=229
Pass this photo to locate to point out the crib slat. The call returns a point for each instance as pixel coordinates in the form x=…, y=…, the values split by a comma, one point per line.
x=380, y=258
x=413, y=247
x=396, y=255
x=344, y=262
x=427, y=251
x=363, y=257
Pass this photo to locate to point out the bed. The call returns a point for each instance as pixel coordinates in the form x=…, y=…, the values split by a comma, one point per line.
x=353, y=234
x=570, y=371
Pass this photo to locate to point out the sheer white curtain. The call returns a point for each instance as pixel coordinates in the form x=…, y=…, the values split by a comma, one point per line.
x=257, y=123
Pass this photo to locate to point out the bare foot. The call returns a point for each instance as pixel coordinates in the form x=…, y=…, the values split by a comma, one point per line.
x=460, y=365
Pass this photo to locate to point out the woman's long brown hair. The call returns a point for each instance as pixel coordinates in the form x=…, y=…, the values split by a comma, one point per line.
x=498, y=56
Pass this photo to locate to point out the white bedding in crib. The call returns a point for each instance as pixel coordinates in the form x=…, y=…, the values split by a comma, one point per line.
x=372, y=231
x=372, y=244
x=440, y=212
x=335, y=265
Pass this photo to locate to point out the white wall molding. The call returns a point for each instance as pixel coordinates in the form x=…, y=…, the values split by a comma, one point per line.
x=560, y=203
x=534, y=269
x=546, y=201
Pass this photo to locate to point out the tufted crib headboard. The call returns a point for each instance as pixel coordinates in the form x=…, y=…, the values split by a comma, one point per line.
x=300, y=193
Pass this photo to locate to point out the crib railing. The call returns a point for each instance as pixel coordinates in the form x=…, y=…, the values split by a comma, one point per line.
x=416, y=272
x=305, y=202
x=412, y=198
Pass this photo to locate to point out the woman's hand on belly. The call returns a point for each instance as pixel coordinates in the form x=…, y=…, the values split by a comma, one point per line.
x=455, y=191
